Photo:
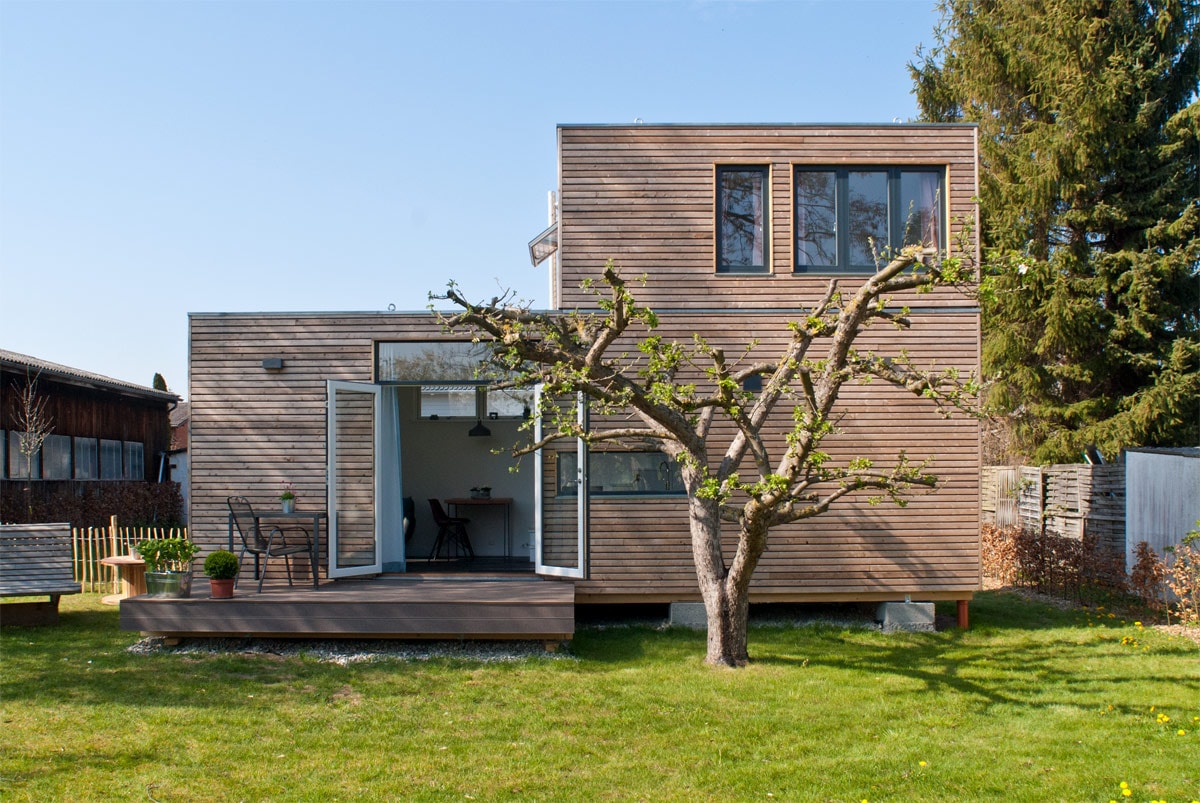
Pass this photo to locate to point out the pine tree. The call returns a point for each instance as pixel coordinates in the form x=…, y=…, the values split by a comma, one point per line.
x=1090, y=174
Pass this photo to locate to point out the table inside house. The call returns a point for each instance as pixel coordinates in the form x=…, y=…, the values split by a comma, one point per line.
x=132, y=571
x=269, y=519
x=505, y=502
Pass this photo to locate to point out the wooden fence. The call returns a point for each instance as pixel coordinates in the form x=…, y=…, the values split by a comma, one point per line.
x=91, y=544
x=1064, y=500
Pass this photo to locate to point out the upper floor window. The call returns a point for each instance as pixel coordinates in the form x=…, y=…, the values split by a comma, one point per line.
x=742, y=218
x=847, y=219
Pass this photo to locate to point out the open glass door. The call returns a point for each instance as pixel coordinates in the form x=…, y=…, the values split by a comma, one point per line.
x=354, y=475
x=560, y=508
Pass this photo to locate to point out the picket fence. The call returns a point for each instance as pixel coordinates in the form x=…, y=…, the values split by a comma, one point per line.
x=89, y=545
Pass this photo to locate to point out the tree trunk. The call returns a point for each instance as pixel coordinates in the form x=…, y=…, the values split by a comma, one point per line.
x=726, y=606
x=728, y=614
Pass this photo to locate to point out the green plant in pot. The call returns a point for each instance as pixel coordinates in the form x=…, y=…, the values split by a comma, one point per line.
x=287, y=499
x=168, y=566
x=222, y=567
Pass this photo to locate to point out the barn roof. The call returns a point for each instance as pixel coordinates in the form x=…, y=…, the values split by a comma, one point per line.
x=23, y=363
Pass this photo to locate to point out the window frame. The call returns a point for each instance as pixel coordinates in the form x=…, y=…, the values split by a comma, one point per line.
x=58, y=455
x=896, y=214
x=665, y=471
x=718, y=238
x=85, y=458
x=487, y=401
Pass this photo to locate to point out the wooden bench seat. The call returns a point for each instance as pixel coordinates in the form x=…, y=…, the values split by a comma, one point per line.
x=35, y=560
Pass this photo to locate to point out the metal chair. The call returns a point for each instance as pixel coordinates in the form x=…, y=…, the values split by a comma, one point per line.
x=276, y=544
x=452, y=533
x=409, y=508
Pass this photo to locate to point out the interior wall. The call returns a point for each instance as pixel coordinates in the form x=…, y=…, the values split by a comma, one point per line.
x=439, y=460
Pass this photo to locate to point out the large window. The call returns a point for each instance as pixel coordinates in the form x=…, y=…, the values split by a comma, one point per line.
x=453, y=377
x=850, y=219
x=742, y=216
x=87, y=459
x=112, y=455
x=21, y=466
x=622, y=474
x=135, y=461
x=56, y=457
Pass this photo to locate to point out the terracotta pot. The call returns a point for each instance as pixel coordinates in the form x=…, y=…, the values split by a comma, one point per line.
x=221, y=589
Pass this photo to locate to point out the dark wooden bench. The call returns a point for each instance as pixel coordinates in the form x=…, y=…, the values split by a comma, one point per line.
x=35, y=560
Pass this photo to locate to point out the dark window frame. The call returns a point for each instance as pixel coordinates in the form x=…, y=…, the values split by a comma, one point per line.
x=722, y=266
x=662, y=475
x=896, y=213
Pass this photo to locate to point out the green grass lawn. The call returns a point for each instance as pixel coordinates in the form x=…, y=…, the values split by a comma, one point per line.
x=1033, y=703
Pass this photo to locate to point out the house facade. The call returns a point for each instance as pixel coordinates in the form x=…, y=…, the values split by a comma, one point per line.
x=737, y=230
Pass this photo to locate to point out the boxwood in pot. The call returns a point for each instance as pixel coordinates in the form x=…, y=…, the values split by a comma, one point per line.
x=222, y=567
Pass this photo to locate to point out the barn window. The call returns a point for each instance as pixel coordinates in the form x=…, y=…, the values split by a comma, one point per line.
x=87, y=459
x=56, y=457
x=19, y=468
x=135, y=461
x=111, y=460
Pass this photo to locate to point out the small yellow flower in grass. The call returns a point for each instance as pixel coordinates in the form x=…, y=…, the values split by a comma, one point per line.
x=1181, y=732
x=922, y=763
x=1127, y=792
x=1137, y=624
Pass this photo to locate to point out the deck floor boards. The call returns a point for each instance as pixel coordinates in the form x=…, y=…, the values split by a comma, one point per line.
x=385, y=607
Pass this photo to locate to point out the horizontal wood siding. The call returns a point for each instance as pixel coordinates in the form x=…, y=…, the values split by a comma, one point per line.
x=253, y=429
x=642, y=545
x=644, y=197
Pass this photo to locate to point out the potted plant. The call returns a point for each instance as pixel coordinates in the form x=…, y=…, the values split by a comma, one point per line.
x=222, y=567
x=168, y=566
x=288, y=498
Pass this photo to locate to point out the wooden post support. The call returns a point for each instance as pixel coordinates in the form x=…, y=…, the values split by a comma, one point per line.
x=962, y=613
x=113, y=551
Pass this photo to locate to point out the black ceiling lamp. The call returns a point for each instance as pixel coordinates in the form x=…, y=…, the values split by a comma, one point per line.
x=479, y=430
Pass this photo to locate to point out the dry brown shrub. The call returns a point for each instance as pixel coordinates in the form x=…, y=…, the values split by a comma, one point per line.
x=1147, y=580
x=1051, y=564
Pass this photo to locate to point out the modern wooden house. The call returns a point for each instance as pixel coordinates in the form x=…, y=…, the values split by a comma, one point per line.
x=103, y=431
x=736, y=228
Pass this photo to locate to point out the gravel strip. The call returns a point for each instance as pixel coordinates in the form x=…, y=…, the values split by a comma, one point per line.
x=346, y=652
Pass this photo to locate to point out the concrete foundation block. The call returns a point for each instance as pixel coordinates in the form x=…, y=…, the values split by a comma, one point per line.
x=688, y=614
x=910, y=617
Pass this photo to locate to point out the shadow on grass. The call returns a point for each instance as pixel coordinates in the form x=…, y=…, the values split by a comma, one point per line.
x=1006, y=658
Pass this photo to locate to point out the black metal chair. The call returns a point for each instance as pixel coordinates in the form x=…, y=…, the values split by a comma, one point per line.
x=276, y=544
x=409, y=508
x=452, y=533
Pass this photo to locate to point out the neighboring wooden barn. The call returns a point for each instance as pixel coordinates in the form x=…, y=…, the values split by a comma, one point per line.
x=342, y=407
x=102, y=431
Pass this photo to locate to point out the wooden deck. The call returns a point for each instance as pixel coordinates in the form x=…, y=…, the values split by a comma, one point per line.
x=406, y=607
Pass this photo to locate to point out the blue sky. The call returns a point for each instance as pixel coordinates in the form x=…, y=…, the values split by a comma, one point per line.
x=161, y=158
